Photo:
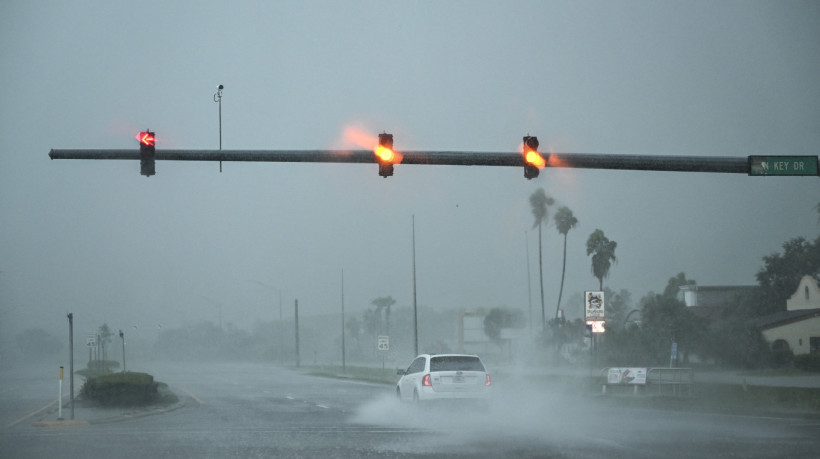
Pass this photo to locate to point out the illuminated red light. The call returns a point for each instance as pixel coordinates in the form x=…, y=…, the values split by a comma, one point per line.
x=146, y=138
x=487, y=381
x=426, y=380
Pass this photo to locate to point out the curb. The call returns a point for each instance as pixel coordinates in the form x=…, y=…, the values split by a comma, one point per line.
x=61, y=423
x=109, y=419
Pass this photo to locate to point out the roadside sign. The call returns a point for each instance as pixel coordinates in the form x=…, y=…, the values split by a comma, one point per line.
x=596, y=326
x=626, y=376
x=90, y=341
x=783, y=165
x=384, y=343
x=594, y=306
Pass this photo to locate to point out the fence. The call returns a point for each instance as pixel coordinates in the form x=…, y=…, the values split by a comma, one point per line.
x=654, y=381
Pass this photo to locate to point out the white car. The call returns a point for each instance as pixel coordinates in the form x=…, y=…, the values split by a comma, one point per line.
x=443, y=376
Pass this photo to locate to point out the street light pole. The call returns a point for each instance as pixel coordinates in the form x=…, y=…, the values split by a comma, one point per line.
x=415, y=308
x=71, y=358
x=296, y=324
x=122, y=337
x=344, y=368
x=218, y=99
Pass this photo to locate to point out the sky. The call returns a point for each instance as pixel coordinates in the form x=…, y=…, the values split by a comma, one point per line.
x=95, y=238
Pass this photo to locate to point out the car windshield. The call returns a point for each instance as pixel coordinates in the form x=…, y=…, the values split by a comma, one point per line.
x=456, y=363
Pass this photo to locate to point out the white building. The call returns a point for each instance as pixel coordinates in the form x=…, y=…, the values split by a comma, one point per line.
x=798, y=327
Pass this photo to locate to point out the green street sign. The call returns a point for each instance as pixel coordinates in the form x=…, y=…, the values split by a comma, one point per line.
x=783, y=165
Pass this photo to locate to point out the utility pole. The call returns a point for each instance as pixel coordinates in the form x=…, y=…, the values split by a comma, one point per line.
x=122, y=337
x=415, y=308
x=71, y=359
x=343, y=322
x=296, y=323
x=529, y=285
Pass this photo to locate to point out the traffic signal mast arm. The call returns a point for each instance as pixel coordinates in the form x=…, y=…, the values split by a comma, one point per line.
x=720, y=164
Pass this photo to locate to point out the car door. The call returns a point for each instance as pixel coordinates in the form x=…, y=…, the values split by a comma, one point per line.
x=412, y=377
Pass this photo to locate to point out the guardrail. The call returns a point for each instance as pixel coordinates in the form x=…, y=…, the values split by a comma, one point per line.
x=658, y=381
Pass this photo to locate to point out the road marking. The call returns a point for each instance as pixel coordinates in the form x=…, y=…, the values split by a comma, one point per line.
x=14, y=423
x=323, y=406
x=191, y=394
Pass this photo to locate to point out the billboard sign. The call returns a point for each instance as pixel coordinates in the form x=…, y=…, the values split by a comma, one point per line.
x=594, y=306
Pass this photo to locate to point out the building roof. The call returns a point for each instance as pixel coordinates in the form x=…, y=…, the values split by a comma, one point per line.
x=785, y=317
x=718, y=296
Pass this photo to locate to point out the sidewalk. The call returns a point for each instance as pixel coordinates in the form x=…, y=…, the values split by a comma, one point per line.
x=811, y=381
x=87, y=413
x=729, y=377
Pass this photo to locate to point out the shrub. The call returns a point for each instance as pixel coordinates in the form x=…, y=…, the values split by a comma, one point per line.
x=128, y=388
x=807, y=362
x=782, y=358
x=105, y=366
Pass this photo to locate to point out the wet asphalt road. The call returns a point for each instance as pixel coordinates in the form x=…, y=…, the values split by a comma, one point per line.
x=255, y=410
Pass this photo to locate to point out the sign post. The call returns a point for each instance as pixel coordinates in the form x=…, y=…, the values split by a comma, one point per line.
x=674, y=355
x=383, y=344
x=60, y=397
x=594, y=314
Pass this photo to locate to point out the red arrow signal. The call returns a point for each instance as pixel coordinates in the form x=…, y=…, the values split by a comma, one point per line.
x=146, y=138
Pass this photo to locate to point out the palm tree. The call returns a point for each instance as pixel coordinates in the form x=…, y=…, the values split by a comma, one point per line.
x=603, y=254
x=384, y=303
x=564, y=221
x=540, y=201
x=817, y=207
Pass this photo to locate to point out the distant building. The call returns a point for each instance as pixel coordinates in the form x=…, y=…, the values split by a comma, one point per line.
x=798, y=327
x=471, y=336
x=709, y=302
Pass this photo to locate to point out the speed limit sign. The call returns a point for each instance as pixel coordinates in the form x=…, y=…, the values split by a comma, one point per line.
x=384, y=343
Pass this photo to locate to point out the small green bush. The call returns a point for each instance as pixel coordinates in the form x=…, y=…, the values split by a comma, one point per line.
x=808, y=362
x=128, y=388
x=782, y=358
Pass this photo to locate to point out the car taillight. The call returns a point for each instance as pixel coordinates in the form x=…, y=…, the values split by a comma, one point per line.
x=487, y=381
x=426, y=381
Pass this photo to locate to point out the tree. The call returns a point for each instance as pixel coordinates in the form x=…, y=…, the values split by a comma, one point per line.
x=354, y=329
x=817, y=208
x=603, y=255
x=674, y=285
x=781, y=273
x=736, y=342
x=372, y=320
x=564, y=221
x=540, y=202
x=105, y=338
x=384, y=303
x=499, y=318
x=618, y=304
x=666, y=320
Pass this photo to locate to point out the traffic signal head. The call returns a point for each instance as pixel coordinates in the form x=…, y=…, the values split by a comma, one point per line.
x=146, y=140
x=533, y=161
x=385, y=155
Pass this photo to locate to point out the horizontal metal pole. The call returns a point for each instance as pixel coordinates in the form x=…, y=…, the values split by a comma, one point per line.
x=721, y=164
